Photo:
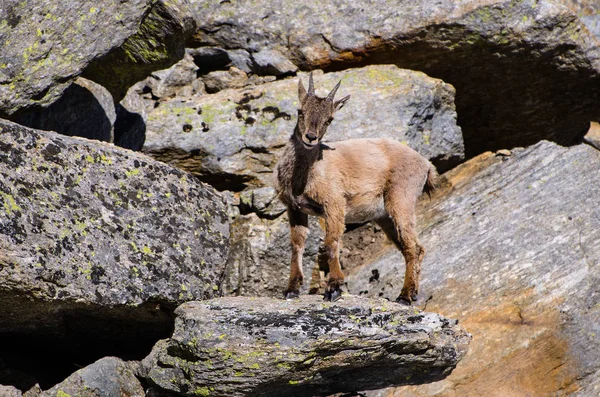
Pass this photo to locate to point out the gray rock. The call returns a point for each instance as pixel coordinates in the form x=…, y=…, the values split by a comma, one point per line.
x=232, y=139
x=272, y=62
x=526, y=70
x=90, y=232
x=9, y=391
x=34, y=391
x=262, y=201
x=168, y=82
x=260, y=255
x=45, y=45
x=512, y=253
x=86, y=109
x=241, y=59
x=157, y=44
x=265, y=347
x=107, y=377
x=588, y=11
x=223, y=79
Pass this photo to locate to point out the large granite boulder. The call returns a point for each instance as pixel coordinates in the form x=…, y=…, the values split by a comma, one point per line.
x=512, y=252
x=233, y=139
x=265, y=347
x=90, y=233
x=46, y=45
x=524, y=70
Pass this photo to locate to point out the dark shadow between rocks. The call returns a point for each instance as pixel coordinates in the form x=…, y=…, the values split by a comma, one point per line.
x=77, y=113
x=130, y=129
x=46, y=342
x=508, y=94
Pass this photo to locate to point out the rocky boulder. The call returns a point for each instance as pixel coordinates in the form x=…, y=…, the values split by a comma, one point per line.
x=264, y=347
x=233, y=139
x=46, y=45
x=109, y=376
x=511, y=243
x=91, y=233
x=524, y=70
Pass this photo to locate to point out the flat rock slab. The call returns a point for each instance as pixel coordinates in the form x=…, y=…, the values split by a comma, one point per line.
x=266, y=347
x=524, y=70
x=512, y=252
x=84, y=225
x=232, y=139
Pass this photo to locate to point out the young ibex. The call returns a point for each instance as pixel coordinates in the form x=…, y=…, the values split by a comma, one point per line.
x=350, y=181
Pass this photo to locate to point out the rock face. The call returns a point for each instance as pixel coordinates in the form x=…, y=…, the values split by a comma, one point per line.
x=89, y=225
x=264, y=347
x=158, y=43
x=232, y=139
x=109, y=376
x=260, y=255
x=45, y=45
x=525, y=70
x=512, y=253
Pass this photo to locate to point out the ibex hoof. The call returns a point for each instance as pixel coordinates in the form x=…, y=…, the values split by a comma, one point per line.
x=289, y=295
x=332, y=296
x=404, y=301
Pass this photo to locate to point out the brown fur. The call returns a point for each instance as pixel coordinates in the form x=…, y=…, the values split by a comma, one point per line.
x=350, y=181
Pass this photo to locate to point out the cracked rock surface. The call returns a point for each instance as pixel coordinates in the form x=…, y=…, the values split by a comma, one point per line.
x=84, y=224
x=238, y=346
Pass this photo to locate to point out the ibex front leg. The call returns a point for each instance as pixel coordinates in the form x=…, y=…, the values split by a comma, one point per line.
x=298, y=232
x=334, y=228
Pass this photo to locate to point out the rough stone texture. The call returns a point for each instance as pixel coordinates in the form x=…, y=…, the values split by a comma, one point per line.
x=233, y=139
x=158, y=43
x=107, y=377
x=45, y=45
x=589, y=13
x=10, y=391
x=168, y=82
x=512, y=252
x=34, y=391
x=90, y=231
x=85, y=109
x=223, y=79
x=272, y=62
x=260, y=255
x=525, y=70
x=593, y=135
x=271, y=347
x=262, y=201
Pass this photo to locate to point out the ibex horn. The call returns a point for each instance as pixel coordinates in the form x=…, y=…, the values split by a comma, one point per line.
x=332, y=93
x=311, y=85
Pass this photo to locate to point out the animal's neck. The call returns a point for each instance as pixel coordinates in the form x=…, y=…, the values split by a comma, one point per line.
x=301, y=162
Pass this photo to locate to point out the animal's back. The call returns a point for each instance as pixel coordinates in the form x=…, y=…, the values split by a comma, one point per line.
x=365, y=168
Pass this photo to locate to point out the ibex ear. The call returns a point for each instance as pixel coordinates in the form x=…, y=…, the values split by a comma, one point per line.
x=337, y=105
x=301, y=91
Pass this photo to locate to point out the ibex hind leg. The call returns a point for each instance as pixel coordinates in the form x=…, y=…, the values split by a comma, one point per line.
x=401, y=229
